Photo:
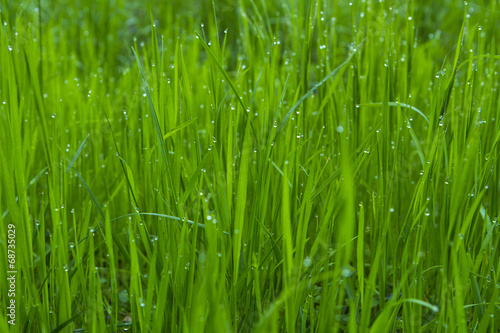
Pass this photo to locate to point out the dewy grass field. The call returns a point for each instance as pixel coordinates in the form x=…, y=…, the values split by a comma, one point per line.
x=251, y=165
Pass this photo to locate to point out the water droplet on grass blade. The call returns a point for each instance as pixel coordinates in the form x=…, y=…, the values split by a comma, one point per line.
x=307, y=262
x=346, y=271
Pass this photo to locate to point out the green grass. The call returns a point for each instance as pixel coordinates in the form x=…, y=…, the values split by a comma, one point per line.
x=251, y=165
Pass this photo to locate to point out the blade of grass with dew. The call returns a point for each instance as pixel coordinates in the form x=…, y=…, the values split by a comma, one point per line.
x=161, y=141
x=308, y=93
x=77, y=153
x=395, y=104
x=99, y=209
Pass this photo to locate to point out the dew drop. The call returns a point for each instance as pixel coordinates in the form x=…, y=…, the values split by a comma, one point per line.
x=307, y=262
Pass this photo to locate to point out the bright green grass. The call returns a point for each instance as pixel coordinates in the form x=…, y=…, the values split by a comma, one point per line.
x=251, y=165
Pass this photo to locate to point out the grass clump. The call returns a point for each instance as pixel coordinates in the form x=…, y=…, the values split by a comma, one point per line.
x=283, y=166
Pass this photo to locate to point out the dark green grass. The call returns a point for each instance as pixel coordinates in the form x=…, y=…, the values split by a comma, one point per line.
x=236, y=166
